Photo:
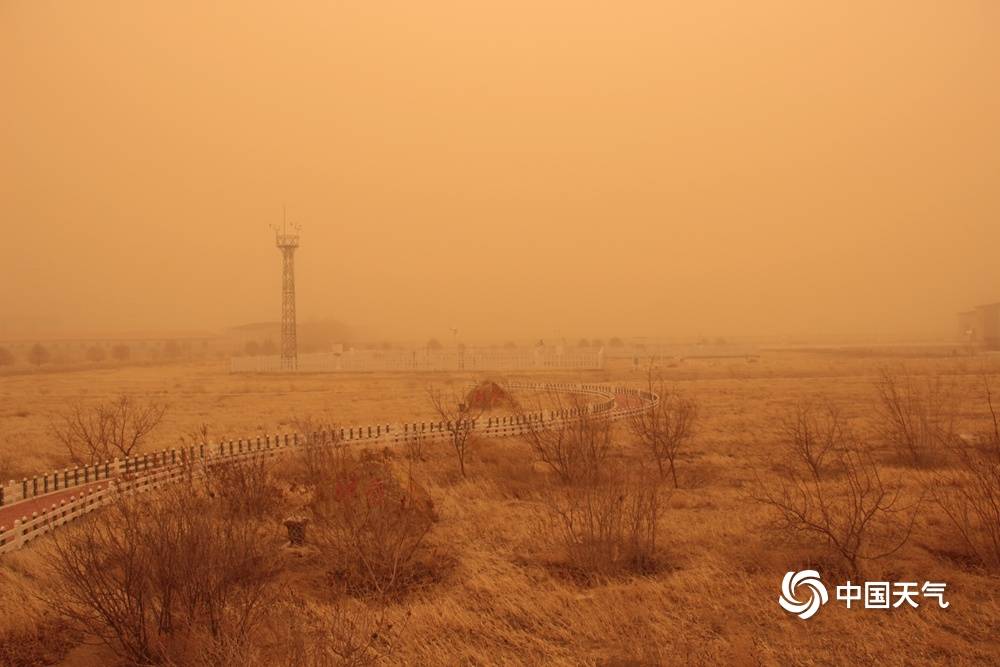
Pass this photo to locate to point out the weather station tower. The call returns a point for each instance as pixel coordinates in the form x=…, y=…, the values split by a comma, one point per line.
x=288, y=242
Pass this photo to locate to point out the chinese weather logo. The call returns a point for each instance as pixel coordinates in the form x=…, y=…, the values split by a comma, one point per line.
x=873, y=594
x=809, y=583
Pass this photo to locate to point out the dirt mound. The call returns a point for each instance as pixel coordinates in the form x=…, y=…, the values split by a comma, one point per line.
x=488, y=395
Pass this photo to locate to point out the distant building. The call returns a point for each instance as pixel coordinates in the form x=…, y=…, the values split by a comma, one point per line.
x=981, y=326
x=256, y=332
x=967, y=325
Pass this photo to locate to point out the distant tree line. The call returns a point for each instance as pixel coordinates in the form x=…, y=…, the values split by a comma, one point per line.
x=40, y=354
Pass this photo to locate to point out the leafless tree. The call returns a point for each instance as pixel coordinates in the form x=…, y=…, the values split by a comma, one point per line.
x=859, y=514
x=916, y=416
x=116, y=428
x=664, y=429
x=458, y=419
x=813, y=434
x=969, y=493
x=575, y=445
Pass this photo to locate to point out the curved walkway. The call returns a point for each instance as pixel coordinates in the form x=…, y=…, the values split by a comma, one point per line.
x=33, y=507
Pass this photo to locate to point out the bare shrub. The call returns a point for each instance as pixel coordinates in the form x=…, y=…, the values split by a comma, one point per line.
x=315, y=429
x=414, y=446
x=610, y=526
x=116, y=428
x=314, y=467
x=151, y=571
x=196, y=436
x=371, y=527
x=814, y=434
x=457, y=418
x=666, y=427
x=245, y=488
x=315, y=462
x=574, y=447
x=856, y=513
x=969, y=493
x=915, y=416
x=320, y=441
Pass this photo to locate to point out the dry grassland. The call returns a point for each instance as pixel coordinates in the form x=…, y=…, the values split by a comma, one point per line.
x=493, y=590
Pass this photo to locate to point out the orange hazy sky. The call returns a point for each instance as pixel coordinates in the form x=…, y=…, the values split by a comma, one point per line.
x=507, y=167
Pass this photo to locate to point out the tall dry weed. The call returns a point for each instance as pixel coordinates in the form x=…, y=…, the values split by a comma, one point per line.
x=609, y=526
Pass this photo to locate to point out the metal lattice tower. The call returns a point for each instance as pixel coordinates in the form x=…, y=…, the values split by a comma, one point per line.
x=287, y=243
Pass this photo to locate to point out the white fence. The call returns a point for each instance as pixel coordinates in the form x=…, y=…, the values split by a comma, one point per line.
x=97, y=485
x=642, y=355
x=469, y=359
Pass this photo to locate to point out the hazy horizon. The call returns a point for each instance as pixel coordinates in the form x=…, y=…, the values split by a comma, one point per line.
x=510, y=169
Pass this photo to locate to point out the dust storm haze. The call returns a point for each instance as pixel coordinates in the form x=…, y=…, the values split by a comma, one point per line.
x=512, y=169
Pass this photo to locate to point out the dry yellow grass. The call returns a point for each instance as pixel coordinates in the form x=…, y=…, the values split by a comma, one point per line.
x=500, y=603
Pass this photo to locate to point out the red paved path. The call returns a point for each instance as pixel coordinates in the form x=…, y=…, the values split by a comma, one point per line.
x=24, y=508
x=20, y=509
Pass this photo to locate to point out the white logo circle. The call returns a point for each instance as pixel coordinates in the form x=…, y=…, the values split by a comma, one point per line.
x=817, y=593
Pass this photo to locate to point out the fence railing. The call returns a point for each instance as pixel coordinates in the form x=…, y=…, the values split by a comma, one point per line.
x=95, y=485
